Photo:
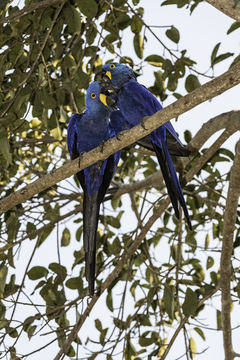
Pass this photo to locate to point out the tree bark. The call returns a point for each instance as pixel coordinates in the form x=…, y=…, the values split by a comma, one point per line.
x=227, y=7
x=227, y=248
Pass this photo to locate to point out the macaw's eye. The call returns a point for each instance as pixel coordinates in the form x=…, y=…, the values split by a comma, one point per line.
x=93, y=95
x=112, y=66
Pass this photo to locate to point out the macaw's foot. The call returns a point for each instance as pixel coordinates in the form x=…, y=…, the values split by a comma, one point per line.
x=142, y=123
x=101, y=145
x=80, y=158
x=119, y=135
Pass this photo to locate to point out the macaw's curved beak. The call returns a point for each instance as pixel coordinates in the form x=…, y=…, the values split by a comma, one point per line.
x=103, y=75
x=107, y=100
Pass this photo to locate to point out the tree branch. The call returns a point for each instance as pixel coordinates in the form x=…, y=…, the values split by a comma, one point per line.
x=227, y=248
x=205, y=92
x=227, y=7
x=27, y=9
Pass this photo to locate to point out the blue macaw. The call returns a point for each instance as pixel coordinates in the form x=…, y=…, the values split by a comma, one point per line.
x=119, y=123
x=85, y=132
x=135, y=102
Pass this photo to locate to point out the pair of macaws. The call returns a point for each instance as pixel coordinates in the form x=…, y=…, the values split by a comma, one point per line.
x=116, y=84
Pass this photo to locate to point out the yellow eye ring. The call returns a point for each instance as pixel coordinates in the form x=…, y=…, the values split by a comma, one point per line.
x=112, y=66
x=93, y=95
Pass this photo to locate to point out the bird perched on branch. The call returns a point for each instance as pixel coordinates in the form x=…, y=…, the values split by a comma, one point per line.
x=135, y=102
x=85, y=132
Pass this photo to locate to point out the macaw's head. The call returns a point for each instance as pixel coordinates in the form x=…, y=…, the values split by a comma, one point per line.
x=117, y=73
x=98, y=100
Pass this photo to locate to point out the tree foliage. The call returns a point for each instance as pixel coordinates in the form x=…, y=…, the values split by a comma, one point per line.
x=49, y=53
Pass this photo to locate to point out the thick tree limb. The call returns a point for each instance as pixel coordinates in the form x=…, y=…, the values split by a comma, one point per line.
x=227, y=247
x=205, y=92
x=227, y=7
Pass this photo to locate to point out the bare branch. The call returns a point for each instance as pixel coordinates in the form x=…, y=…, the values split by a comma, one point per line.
x=227, y=7
x=227, y=247
x=213, y=125
x=205, y=92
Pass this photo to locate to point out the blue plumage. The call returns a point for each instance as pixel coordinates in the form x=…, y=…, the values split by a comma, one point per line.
x=85, y=132
x=135, y=102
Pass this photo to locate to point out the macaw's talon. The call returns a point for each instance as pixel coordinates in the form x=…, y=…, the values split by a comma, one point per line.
x=119, y=135
x=101, y=145
x=142, y=123
x=80, y=158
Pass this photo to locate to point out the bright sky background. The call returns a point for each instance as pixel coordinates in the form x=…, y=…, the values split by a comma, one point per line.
x=200, y=32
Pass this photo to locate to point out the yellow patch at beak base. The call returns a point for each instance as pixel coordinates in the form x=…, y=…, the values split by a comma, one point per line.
x=108, y=73
x=103, y=99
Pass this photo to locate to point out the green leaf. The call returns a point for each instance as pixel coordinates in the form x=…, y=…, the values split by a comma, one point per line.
x=109, y=301
x=37, y=272
x=136, y=24
x=172, y=82
x=155, y=60
x=71, y=352
x=75, y=283
x=75, y=21
x=31, y=228
x=207, y=240
x=173, y=34
x=5, y=150
x=192, y=348
x=210, y=262
x=103, y=336
x=2, y=311
x=146, y=341
x=233, y=27
x=138, y=45
x=190, y=303
x=3, y=277
x=222, y=57
x=66, y=236
x=168, y=299
x=11, y=287
x=44, y=234
x=192, y=83
x=58, y=269
x=200, y=333
x=98, y=325
x=214, y=53
x=31, y=331
x=187, y=136
x=88, y=7
x=12, y=332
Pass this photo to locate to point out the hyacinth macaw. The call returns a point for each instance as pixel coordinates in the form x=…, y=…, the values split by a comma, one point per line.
x=85, y=132
x=135, y=102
